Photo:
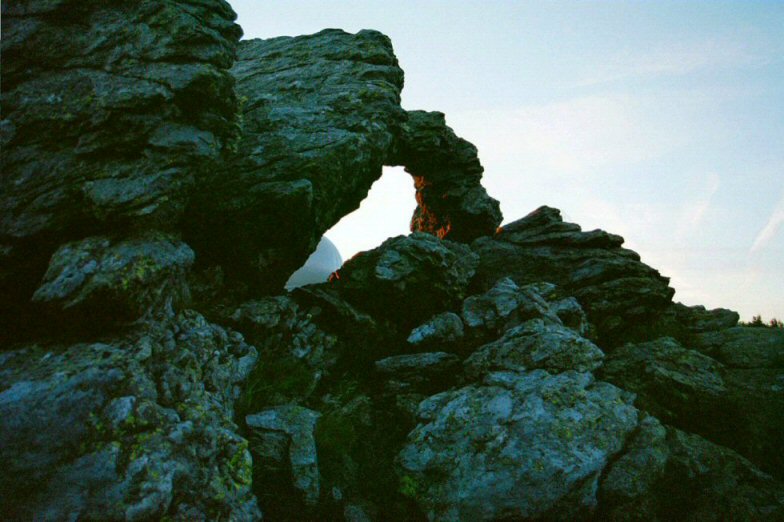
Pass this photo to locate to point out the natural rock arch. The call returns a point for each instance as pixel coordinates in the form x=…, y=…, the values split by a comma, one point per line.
x=451, y=201
x=286, y=184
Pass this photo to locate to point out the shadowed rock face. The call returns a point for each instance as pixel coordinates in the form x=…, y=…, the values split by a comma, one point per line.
x=451, y=202
x=109, y=112
x=321, y=117
x=320, y=114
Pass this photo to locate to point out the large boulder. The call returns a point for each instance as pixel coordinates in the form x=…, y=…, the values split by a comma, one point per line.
x=622, y=296
x=134, y=428
x=536, y=344
x=408, y=279
x=667, y=474
x=517, y=446
x=101, y=279
x=738, y=403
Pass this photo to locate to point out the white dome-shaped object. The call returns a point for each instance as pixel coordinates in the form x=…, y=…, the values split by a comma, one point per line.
x=321, y=263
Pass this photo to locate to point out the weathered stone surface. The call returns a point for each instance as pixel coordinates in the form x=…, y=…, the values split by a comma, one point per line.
x=739, y=407
x=132, y=428
x=106, y=279
x=678, y=385
x=108, y=112
x=127, y=152
x=295, y=353
x=506, y=305
x=407, y=278
x=520, y=445
x=451, y=202
x=298, y=424
x=620, y=294
x=442, y=329
x=697, y=319
x=754, y=404
x=666, y=474
x=320, y=115
x=536, y=344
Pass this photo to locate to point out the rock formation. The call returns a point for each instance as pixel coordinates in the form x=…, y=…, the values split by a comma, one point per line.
x=161, y=180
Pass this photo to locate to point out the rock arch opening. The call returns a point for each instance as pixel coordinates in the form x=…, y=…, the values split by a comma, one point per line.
x=384, y=213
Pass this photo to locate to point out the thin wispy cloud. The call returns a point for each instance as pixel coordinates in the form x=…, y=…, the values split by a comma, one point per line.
x=577, y=135
x=771, y=229
x=676, y=59
x=695, y=212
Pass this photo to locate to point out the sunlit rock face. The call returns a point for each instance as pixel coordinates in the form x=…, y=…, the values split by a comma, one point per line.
x=317, y=269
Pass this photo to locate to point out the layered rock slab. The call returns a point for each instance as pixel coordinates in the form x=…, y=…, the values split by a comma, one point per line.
x=620, y=294
x=109, y=110
x=738, y=404
x=451, y=201
x=667, y=474
x=320, y=114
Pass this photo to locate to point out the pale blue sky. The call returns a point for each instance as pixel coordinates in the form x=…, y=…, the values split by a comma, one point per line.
x=659, y=121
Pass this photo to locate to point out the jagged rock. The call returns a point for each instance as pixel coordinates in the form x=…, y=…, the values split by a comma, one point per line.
x=678, y=385
x=754, y=404
x=132, y=428
x=620, y=294
x=697, y=319
x=738, y=407
x=666, y=474
x=407, y=278
x=571, y=314
x=109, y=110
x=451, y=202
x=441, y=330
x=103, y=279
x=506, y=305
x=298, y=424
x=125, y=144
x=295, y=352
x=536, y=344
x=508, y=448
x=320, y=113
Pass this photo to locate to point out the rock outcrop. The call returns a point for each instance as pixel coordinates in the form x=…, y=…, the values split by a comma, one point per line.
x=136, y=427
x=162, y=180
x=622, y=296
x=109, y=114
x=451, y=202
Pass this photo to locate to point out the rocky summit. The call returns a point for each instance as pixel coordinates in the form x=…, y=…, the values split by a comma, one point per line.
x=162, y=179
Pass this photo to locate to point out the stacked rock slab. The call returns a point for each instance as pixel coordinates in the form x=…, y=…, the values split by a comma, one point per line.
x=619, y=293
x=109, y=110
x=134, y=427
x=390, y=392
